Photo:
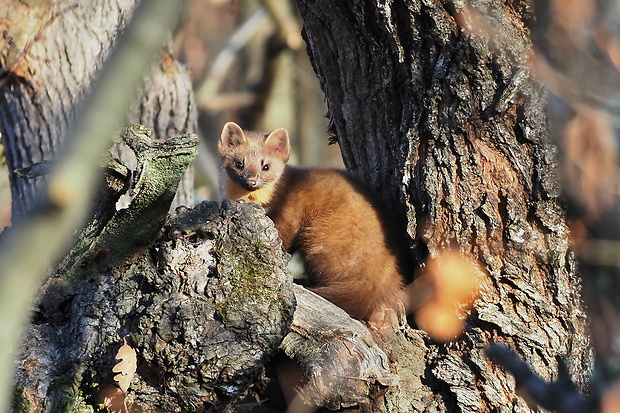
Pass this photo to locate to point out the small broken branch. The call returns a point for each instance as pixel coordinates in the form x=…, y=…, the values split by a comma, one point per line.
x=337, y=354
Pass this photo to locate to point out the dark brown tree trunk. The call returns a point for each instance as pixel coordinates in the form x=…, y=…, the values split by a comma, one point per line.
x=52, y=54
x=433, y=103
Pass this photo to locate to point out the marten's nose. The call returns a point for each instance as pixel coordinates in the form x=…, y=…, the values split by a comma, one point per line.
x=252, y=183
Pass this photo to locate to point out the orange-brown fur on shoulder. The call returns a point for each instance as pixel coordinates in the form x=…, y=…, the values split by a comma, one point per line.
x=327, y=215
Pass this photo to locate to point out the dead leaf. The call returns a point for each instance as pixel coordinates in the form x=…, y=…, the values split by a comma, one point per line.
x=453, y=281
x=126, y=367
x=112, y=398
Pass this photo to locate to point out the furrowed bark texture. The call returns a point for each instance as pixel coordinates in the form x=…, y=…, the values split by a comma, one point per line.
x=51, y=55
x=434, y=105
x=204, y=304
x=42, y=91
x=204, y=308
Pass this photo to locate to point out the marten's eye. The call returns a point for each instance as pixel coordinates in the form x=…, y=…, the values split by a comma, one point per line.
x=239, y=164
x=266, y=167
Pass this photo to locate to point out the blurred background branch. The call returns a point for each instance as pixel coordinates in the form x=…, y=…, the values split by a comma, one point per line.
x=48, y=229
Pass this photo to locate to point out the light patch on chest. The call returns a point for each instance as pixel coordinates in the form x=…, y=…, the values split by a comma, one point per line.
x=261, y=196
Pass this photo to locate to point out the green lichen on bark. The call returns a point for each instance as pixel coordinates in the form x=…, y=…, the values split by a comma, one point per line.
x=248, y=277
x=205, y=307
x=160, y=166
x=112, y=236
x=21, y=404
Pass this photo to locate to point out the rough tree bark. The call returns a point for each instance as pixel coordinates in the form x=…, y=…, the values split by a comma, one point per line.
x=166, y=104
x=52, y=53
x=205, y=304
x=433, y=104
x=446, y=122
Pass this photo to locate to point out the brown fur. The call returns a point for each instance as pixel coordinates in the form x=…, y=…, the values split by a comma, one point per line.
x=326, y=215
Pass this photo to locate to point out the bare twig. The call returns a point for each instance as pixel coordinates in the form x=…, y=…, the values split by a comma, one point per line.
x=288, y=27
x=288, y=31
x=228, y=101
x=209, y=88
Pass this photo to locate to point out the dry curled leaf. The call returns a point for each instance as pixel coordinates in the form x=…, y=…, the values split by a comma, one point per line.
x=453, y=283
x=126, y=367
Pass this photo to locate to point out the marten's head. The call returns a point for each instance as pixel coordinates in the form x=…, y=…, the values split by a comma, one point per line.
x=251, y=159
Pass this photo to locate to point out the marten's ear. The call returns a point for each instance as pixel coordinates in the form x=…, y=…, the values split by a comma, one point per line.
x=232, y=135
x=278, y=142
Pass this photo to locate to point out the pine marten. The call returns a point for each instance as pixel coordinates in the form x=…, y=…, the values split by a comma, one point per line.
x=327, y=215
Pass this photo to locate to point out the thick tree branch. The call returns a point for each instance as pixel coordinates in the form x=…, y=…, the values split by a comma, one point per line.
x=104, y=242
x=337, y=355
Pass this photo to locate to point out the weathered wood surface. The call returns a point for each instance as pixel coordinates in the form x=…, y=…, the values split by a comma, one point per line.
x=338, y=357
x=203, y=313
x=206, y=304
x=206, y=308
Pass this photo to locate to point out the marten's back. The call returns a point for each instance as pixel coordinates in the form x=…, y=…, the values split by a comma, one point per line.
x=343, y=237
